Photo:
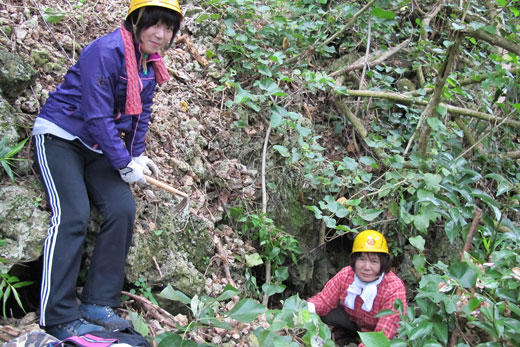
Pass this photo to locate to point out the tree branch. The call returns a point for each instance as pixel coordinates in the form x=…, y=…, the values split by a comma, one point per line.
x=406, y=99
x=468, y=135
x=494, y=40
x=375, y=62
x=423, y=129
x=265, y=299
x=467, y=81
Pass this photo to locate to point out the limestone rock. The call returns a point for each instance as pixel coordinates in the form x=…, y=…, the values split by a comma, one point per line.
x=15, y=75
x=23, y=225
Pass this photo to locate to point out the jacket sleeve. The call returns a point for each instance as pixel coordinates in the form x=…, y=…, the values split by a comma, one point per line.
x=329, y=297
x=100, y=68
x=390, y=323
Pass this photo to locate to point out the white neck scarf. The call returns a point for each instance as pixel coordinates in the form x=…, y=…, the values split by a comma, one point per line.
x=366, y=290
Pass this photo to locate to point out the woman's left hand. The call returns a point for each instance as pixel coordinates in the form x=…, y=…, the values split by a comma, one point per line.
x=147, y=165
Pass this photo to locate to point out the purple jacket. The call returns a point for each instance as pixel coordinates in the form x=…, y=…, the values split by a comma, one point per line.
x=90, y=102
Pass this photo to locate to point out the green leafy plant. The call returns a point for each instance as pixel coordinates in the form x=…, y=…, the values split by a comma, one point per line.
x=291, y=320
x=143, y=289
x=278, y=248
x=9, y=285
x=7, y=154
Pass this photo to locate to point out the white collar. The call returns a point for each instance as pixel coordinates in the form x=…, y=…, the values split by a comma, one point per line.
x=366, y=290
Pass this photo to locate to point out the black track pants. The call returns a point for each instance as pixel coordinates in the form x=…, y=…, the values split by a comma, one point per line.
x=74, y=177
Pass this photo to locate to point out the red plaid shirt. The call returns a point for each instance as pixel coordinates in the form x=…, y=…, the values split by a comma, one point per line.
x=335, y=291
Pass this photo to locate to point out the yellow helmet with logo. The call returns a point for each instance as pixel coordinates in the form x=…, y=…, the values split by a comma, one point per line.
x=170, y=4
x=370, y=241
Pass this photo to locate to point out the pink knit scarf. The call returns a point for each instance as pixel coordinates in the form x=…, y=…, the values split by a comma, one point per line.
x=133, y=94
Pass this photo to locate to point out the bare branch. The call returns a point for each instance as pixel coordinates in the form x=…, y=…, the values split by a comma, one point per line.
x=375, y=62
x=494, y=40
x=406, y=99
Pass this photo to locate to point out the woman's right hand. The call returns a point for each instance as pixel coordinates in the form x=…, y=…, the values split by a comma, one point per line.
x=132, y=173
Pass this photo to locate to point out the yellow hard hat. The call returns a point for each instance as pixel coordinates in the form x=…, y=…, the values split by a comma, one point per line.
x=370, y=241
x=170, y=4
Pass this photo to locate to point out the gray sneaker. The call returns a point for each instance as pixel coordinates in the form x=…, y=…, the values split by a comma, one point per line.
x=74, y=328
x=104, y=316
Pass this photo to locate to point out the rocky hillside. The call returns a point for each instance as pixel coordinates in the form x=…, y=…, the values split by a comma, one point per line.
x=191, y=138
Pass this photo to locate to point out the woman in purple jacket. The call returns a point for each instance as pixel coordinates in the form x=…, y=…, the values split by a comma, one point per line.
x=89, y=145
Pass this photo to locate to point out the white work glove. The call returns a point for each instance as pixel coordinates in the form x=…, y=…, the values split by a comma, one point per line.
x=311, y=307
x=147, y=164
x=132, y=173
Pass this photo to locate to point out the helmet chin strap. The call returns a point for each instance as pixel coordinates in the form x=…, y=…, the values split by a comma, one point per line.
x=134, y=25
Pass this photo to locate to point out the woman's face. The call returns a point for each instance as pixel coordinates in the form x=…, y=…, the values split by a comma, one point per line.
x=155, y=38
x=367, y=267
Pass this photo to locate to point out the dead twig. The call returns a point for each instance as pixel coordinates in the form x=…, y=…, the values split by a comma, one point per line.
x=161, y=315
x=157, y=266
x=469, y=238
x=467, y=246
x=265, y=299
x=190, y=47
x=374, y=62
x=222, y=255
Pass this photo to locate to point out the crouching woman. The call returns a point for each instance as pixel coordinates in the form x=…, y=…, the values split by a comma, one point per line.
x=357, y=293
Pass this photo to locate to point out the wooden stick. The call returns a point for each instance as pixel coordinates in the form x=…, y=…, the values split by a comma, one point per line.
x=469, y=238
x=165, y=186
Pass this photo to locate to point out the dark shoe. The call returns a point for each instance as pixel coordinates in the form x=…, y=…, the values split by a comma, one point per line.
x=104, y=316
x=75, y=328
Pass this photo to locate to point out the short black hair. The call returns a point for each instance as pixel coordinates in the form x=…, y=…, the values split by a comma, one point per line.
x=152, y=15
x=384, y=259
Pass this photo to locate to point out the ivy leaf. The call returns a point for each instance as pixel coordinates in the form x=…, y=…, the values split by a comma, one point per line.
x=458, y=26
x=270, y=87
x=432, y=181
x=282, y=150
x=139, y=323
x=253, y=260
x=426, y=214
x=52, y=15
x=451, y=229
x=369, y=214
x=303, y=131
x=418, y=242
x=441, y=330
x=271, y=289
x=330, y=222
x=422, y=330
x=278, y=116
x=446, y=44
x=205, y=16
x=316, y=210
x=369, y=161
x=427, y=196
x=421, y=222
x=348, y=164
x=175, y=295
x=503, y=185
x=173, y=339
x=374, y=339
x=418, y=262
x=492, y=203
x=242, y=96
x=477, y=25
x=435, y=123
x=246, y=310
x=381, y=13
x=450, y=303
x=463, y=273
x=277, y=57
x=228, y=293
